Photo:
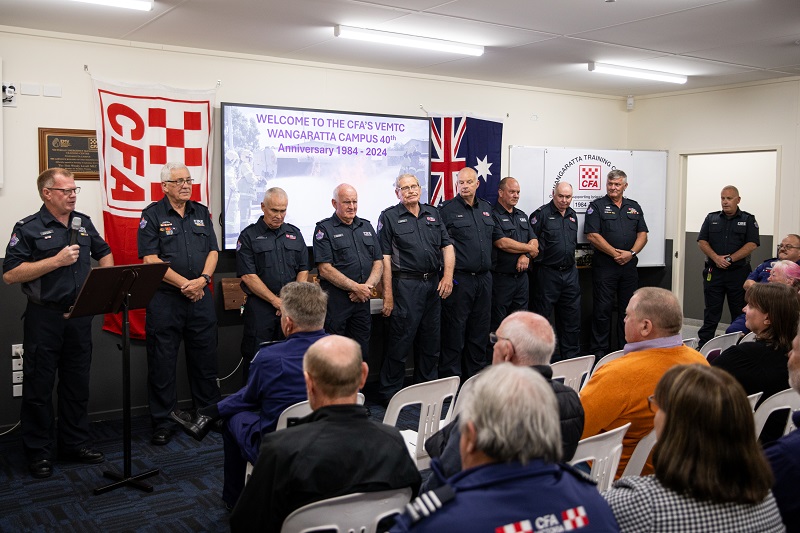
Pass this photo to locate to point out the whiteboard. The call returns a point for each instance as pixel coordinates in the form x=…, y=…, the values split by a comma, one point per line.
x=538, y=169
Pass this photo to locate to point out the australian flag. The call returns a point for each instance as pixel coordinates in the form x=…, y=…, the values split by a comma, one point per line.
x=458, y=142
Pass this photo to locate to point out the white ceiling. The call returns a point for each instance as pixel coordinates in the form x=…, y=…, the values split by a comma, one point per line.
x=542, y=43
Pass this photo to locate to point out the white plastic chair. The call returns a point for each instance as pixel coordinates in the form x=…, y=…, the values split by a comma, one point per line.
x=299, y=410
x=430, y=395
x=603, y=360
x=359, y=512
x=721, y=343
x=573, y=370
x=753, y=399
x=691, y=342
x=604, y=450
x=640, y=454
x=787, y=399
x=750, y=337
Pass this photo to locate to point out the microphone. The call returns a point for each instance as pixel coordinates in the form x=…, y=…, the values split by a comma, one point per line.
x=75, y=230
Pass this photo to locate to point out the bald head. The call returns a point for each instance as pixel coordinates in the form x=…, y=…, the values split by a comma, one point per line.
x=652, y=313
x=524, y=339
x=508, y=193
x=334, y=371
x=345, y=202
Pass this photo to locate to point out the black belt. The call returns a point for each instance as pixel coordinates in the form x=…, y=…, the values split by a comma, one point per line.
x=424, y=276
x=559, y=268
x=52, y=307
x=511, y=274
x=471, y=273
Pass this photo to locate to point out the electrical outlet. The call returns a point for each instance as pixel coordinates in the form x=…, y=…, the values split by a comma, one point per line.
x=16, y=363
x=16, y=377
x=16, y=350
x=17, y=391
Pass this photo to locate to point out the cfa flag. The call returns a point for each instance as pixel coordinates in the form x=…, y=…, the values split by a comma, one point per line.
x=139, y=129
x=458, y=142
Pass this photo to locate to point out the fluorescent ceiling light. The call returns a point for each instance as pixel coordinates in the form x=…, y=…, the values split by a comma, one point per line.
x=140, y=5
x=413, y=41
x=640, y=73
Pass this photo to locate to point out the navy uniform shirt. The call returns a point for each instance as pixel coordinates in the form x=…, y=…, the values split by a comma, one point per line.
x=274, y=255
x=351, y=249
x=414, y=243
x=472, y=229
x=40, y=236
x=726, y=234
x=617, y=225
x=182, y=241
x=513, y=225
x=557, y=235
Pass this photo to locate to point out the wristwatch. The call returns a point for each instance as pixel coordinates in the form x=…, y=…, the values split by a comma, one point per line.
x=633, y=254
x=729, y=259
x=207, y=278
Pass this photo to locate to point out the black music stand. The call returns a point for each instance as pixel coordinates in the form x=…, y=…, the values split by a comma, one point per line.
x=109, y=290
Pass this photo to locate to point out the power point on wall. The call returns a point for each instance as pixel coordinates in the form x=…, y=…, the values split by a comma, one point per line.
x=16, y=391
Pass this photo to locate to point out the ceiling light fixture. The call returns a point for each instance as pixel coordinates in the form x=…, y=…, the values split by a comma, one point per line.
x=140, y=5
x=412, y=41
x=640, y=73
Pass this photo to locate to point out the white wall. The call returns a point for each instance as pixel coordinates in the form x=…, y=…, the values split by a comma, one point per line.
x=47, y=58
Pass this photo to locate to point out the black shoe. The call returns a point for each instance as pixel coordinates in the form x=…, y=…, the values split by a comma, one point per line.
x=84, y=455
x=161, y=436
x=41, y=468
x=197, y=428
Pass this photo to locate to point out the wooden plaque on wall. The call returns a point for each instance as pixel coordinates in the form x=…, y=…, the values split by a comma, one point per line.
x=74, y=150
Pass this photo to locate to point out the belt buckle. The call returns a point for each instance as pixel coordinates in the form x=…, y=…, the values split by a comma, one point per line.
x=425, y=276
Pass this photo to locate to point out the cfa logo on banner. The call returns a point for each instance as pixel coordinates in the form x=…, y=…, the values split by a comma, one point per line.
x=589, y=177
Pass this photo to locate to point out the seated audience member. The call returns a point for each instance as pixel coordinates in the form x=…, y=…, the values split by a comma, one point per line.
x=788, y=250
x=783, y=272
x=511, y=478
x=274, y=383
x=784, y=454
x=523, y=339
x=710, y=473
x=772, y=312
x=335, y=450
x=617, y=392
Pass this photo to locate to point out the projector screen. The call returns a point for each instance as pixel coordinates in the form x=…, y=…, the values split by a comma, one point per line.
x=307, y=152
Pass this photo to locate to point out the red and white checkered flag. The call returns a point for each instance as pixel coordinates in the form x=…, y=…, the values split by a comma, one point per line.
x=574, y=518
x=139, y=129
x=524, y=526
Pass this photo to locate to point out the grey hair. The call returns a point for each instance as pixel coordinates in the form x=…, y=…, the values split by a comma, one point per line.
x=401, y=176
x=515, y=413
x=532, y=336
x=617, y=174
x=166, y=170
x=274, y=191
x=305, y=303
x=339, y=188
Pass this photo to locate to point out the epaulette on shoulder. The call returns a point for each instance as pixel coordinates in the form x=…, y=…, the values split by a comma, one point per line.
x=429, y=502
x=27, y=219
x=579, y=474
x=149, y=206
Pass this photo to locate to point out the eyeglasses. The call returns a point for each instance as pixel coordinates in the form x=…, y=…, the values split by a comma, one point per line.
x=67, y=192
x=180, y=182
x=787, y=247
x=651, y=403
x=408, y=188
x=494, y=339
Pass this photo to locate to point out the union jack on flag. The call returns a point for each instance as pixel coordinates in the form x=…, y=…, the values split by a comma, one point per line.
x=458, y=142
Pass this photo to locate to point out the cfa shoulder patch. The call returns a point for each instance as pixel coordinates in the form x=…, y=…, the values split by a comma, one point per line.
x=590, y=210
x=319, y=235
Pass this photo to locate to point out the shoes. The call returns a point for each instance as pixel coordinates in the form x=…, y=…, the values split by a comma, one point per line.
x=84, y=455
x=197, y=428
x=41, y=468
x=161, y=437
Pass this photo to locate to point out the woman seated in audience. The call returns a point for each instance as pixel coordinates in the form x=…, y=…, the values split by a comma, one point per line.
x=785, y=272
x=771, y=313
x=710, y=473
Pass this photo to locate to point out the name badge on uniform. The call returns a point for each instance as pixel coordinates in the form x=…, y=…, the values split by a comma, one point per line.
x=46, y=232
x=337, y=235
x=291, y=237
x=200, y=223
x=744, y=223
x=523, y=219
x=430, y=219
x=459, y=216
x=486, y=214
x=367, y=234
x=402, y=220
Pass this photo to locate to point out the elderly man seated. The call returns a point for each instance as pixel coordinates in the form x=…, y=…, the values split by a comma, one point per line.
x=510, y=448
x=336, y=450
x=274, y=383
x=523, y=339
x=617, y=392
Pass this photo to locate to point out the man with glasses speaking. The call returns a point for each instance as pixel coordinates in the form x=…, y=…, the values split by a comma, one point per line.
x=49, y=254
x=415, y=247
x=179, y=231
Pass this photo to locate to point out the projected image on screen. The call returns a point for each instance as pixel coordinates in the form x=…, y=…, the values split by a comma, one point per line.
x=307, y=153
